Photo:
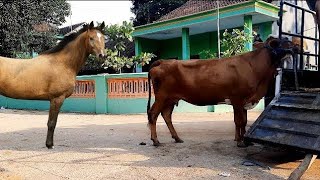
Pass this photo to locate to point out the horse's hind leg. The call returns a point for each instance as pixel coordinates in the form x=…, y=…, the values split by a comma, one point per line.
x=152, y=118
x=167, y=116
x=55, y=105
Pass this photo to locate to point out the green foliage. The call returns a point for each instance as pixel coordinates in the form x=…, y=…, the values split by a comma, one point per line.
x=119, y=35
x=232, y=43
x=93, y=63
x=148, y=11
x=22, y=55
x=118, y=39
x=143, y=58
x=116, y=62
x=30, y=24
x=208, y=54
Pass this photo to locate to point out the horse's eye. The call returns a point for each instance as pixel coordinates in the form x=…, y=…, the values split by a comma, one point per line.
x=91, y=39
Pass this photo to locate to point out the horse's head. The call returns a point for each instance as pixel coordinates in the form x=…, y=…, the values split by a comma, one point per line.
x=280, y=48
x=95, y=39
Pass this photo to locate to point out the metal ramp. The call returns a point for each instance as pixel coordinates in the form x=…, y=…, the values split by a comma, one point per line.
x=291, y=120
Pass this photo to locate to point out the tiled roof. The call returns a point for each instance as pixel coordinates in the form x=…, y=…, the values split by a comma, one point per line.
x=67, y=29
x=197, y=6
x=42, y=27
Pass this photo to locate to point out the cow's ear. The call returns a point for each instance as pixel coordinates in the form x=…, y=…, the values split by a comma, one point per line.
x=274, y=43
x=258, y=45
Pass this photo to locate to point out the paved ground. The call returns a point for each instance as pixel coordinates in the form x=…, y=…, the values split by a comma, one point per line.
x=107, y=147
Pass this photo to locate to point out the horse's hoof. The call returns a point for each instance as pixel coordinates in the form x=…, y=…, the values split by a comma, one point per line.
x=241, y=144
x=179, y=140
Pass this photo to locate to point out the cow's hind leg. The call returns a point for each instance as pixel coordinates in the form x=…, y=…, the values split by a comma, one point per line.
x=152, y=118
x=167, y=116
x=55, y=105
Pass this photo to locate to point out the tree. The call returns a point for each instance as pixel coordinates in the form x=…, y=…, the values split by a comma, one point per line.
x=148, y=11
x=232, y=43
x=30, y=25
x=119, y=53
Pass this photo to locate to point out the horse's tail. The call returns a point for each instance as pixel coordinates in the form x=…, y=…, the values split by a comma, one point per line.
x=155, y=64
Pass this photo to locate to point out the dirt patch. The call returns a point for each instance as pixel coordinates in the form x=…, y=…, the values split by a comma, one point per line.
x=91, y=146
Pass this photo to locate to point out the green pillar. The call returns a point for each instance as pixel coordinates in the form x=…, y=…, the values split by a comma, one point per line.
x=185, y=44
x=138, y=50
x=265, y=30
x=101, y=94
x=248, y=30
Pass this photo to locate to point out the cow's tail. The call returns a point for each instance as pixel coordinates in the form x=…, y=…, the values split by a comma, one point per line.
x=149, y=88
x=156, y=63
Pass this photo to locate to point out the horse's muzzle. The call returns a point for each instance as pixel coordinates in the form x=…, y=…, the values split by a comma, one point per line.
x=101, y=56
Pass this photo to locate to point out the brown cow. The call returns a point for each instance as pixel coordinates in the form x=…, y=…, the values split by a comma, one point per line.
x=240, y=81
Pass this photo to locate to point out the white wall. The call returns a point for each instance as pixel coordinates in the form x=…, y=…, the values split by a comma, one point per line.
x=289, y=24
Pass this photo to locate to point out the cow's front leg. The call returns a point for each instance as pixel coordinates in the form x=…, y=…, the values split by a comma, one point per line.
x=244, y=124
x=239, y=114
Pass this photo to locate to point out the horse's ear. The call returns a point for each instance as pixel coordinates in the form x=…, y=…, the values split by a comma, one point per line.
x=91, y=25
x=102, y=26
x=85, y=26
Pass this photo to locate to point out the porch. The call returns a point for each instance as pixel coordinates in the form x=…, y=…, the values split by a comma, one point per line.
x=185, y=37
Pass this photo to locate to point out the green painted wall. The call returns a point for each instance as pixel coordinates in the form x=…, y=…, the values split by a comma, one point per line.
x=82, y=105
x=149, y=45
x=171, y=48
x=228, y=108
x=248, y=30
x=101, y=104
x=127, y=106
x=265, y=29
x=132, y=106
x=185, y=43
x=205, y=41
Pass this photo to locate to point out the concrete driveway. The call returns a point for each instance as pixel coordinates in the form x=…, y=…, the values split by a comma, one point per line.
x=107, y=147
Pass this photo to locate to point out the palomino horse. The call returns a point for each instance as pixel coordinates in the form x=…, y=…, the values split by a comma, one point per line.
x=240, y=81
x=52, y=75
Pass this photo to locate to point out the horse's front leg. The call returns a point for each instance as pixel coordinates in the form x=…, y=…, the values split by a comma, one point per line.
x=55, y=105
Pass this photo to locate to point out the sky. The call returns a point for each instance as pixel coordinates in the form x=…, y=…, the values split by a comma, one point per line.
x=112, y=12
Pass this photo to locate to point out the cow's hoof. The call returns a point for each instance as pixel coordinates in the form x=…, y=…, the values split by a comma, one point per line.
x=178, y=140
x=156, y=144
x=241, y=144
x=50, y=146
x=248, y=143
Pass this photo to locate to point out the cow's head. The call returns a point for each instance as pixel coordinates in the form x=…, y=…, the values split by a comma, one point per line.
x=280, y=48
